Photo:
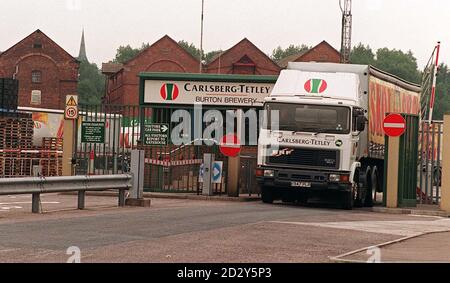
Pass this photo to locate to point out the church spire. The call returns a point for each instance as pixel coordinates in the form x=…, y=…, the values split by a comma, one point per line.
x=82, y=55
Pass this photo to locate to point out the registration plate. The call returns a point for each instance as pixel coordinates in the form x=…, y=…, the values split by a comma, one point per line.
x=301, y=184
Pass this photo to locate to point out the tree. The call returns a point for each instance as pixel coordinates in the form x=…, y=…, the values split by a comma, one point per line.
x=279, y=53
x=363, y=55
x=396, y=62
x=442, y=102
x=210, y=56
x=126, y=53
x=190, y=47
x=91, y=84
x=194, y=51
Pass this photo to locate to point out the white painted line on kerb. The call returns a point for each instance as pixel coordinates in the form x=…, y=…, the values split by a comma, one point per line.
x=395, y=125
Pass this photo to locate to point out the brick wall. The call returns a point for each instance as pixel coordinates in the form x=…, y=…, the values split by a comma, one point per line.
x=59, y=70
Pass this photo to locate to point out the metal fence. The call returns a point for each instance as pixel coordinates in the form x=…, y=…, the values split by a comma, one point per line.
x=168, y=168
x=430, y=162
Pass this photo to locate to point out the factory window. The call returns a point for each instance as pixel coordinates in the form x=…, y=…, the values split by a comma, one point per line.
x=36, y=76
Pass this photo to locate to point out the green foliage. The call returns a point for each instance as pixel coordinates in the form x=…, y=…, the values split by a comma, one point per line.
x=91, y=84
x=396, y=62
x=363, y=55
x=190, y=47
x=442, y=102
x=403, y=65
x=279, y=53
x=126, y=53
x=194, y=51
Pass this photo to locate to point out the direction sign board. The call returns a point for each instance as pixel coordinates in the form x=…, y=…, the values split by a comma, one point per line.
x=156, y=134
x=71, y=109
x=92, y=132
x=394, y=125
x=217, y=172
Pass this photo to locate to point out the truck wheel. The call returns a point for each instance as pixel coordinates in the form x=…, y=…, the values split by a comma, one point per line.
x=266, y=195
x=362, y=188
x=372, y=189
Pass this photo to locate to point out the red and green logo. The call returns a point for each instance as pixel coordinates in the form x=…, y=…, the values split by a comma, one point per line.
x=316, y=86
x=169, y=92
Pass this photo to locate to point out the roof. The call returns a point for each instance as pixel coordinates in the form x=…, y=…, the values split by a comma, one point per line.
x=111, y=68
x=222, y=54
x=48, y=38
x=283, y=63
x=162, y=38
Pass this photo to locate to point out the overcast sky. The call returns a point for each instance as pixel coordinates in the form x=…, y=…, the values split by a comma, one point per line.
x=401, y=24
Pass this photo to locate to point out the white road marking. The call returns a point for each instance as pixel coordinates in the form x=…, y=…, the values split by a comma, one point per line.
x=395, y=125
x=400, y=228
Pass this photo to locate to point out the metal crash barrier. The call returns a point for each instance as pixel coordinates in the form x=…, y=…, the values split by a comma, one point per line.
x=81, y=184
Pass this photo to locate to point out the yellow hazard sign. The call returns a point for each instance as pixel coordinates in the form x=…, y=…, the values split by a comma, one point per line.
x=71, y=101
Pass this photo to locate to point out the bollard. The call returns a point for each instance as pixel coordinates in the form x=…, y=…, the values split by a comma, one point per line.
x=36, y=203
x=122, y=198
x=81, y=199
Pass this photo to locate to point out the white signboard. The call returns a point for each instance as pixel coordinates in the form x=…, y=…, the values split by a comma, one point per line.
x=206, y=93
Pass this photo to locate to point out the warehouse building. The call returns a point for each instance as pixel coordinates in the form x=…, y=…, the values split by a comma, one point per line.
x=166, y=55
x=46, y=72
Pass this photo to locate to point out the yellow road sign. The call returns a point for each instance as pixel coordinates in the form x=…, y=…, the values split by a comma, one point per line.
x=71, y=101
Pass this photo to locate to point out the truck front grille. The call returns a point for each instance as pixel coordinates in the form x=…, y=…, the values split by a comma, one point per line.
x=306, y=157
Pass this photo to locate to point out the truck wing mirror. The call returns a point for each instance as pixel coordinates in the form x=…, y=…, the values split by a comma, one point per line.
x=361, y=123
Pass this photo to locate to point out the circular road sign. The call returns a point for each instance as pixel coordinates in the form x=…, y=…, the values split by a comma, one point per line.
x=230, y=145
x=394, y=125
x=71, y=112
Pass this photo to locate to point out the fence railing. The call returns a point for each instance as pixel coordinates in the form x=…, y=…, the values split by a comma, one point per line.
x=81, y=184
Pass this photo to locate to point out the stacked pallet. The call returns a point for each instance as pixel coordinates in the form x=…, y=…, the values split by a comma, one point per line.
x=51, y=156
x=16, y=135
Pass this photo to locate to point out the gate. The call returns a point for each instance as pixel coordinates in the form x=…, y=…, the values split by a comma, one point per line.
x=168, y=168
x=430, y=162
x=247, y=182
x=408, y=160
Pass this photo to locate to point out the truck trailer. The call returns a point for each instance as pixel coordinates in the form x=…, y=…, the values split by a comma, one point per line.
x=329, y=140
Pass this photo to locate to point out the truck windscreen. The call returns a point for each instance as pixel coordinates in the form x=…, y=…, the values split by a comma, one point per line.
x=311, y=118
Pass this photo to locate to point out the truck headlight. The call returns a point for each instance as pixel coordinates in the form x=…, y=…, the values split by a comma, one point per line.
x=334, y=178
x=269, y=173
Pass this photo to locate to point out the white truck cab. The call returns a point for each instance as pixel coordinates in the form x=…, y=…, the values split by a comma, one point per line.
x=314, y=146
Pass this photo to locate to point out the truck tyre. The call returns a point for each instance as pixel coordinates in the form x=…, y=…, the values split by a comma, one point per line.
x=373, y=188
x=362, y=188
x=266, y=195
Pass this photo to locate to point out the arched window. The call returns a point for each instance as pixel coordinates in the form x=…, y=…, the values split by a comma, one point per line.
x=36, y=76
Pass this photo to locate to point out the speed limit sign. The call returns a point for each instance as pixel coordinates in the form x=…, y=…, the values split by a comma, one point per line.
x=71, y=112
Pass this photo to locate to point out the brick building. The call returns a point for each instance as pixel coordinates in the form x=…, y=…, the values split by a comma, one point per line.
x=244, y=59
x=166, y=55
x=322, y=53
x=46, y=72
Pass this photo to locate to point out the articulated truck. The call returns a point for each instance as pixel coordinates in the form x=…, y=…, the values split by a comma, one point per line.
x=329, y=140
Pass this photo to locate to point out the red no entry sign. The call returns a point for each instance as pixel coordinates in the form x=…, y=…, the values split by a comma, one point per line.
x=394, y=125
x=230, y=145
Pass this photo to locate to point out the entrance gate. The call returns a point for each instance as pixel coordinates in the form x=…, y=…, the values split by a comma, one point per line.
x=168, y=168
x=430, y=162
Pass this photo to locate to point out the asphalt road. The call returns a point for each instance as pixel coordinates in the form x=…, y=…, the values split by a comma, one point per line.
x=183, y=231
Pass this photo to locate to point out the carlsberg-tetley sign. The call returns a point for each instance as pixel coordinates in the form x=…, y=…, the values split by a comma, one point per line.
x=207, y=93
